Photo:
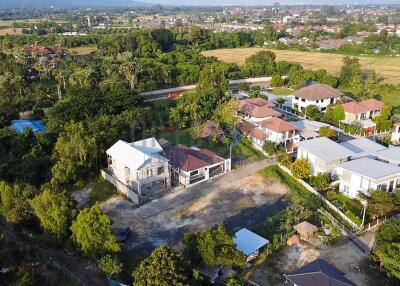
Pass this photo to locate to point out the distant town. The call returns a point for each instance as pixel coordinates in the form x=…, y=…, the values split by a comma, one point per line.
x=154, y=145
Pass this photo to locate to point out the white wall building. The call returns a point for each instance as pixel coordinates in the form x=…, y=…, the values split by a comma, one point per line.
x=320, y=95
x=366, y=174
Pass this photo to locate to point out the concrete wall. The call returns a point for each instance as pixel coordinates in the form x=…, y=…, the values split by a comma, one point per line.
x=121, y=187
x=321, y=104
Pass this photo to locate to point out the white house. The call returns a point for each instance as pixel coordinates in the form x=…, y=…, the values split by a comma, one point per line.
x=276, y=130
x=320, y=95
x=323, y=154
x=395, y=139
x=190, y=165
x=138, y=167
x=366, y=174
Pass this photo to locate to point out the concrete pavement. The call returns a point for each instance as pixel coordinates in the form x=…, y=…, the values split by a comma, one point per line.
x=182, y=196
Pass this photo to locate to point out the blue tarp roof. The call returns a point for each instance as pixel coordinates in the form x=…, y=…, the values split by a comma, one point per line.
x=249, y=242
x=20, y=125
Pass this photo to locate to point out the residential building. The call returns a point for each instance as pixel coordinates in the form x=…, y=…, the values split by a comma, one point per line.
x=276, y=130
x=366, y=174
x=320, y=95
x=362, y=112
x=390, y=155
x=211, y=129
x=319, y=272
x=138, y=168
x=249, y=243
x=323, y=154
x=190, y=165
x=256, y=109
x=363, y=147
x=309, y=129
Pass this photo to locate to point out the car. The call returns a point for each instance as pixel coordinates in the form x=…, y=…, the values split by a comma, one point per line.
x=123, y=233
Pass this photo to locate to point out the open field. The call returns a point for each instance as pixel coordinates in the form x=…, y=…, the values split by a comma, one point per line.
x=387, y=67
x=10, y=31
x=85, y=50
x=26, y=21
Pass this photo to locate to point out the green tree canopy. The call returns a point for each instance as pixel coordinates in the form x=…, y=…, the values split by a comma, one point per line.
x=163, y=267
x=54, y=212
x=301, y=169
x=91, y=231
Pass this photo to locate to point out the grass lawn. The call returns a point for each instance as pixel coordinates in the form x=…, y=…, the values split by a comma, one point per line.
x=282, y=91
x=297, y=192
x=84, y=50
x=239, y=150
x=387, y=67
x=10, y=31
x=101, y=191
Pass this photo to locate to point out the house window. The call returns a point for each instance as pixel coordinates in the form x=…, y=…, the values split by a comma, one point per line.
x=149, y=172
x=346, y=189
x=160, y=170
x=296, y=97
x=303, y=100
x=323, y=108
x=194, y=173
x=317, y=101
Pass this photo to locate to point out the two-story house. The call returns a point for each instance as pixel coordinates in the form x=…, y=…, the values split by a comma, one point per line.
x=256, y=109
x=366, y=174
x=276, y=130
x=320, y=95
x=138, y=167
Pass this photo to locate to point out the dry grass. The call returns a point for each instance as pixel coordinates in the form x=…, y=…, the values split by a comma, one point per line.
x=10, y=31
x=386, y=67
x=83, y=50
x=9, y=23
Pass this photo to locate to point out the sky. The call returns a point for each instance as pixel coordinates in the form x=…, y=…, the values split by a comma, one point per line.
x=263, y=2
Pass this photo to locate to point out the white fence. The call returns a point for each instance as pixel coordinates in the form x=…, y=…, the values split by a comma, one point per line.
x=328, y=203
x=121, y=187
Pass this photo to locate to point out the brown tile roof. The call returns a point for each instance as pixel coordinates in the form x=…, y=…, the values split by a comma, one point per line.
x=258, y=134
x=188, y=159
x=277, y=125
x=318, y=91
x=257, y=107
x=373, y=104
x=305, y=228
x=354, y=107
x=246, y=127
x=35, y=49
x=209, y=128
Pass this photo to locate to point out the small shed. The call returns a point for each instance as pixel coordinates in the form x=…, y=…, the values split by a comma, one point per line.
x=249, y=243
x=305, y=229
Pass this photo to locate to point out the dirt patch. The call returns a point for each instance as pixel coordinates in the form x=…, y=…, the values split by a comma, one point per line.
x=236, y=204
x=269, y=270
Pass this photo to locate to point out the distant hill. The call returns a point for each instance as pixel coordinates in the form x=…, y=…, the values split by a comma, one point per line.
x=70, y=3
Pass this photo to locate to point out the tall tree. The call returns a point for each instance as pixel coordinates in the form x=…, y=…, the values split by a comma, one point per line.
x=91, y=231
x=163, y=267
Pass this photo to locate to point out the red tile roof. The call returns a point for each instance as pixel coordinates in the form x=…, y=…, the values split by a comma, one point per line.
x=257, y=107
x=258, y=134
x=209, y=128
x=318, y=91
x=188, y=159
x=354, y=108
x=277, y=125
x=246, y=127
x=373, y=104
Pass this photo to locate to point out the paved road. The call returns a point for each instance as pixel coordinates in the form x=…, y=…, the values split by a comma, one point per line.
x=183, y=196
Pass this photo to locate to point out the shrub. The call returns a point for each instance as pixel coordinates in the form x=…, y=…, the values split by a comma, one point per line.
x=301, y=169
x=320, y=182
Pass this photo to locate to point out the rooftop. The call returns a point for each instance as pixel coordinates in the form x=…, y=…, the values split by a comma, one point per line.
x=188, y=159
x=373, y=104
x=318, y=91
x=391, y=154
x=309, y=124
x=257, y=107
x=249, y=242
x=20, y=125
x=305, y=227
x=371, y=168
x=363, y=144
x=321, y=273
x=354, y=107
x=277, y=125
x=326, y=149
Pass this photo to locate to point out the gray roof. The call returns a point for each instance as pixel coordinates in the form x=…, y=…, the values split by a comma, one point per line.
x=363, y=144
x=371, y=168
x=391, y=154
x=308, y=124
x=326, y=149
x=249, y=242
x=321, y=273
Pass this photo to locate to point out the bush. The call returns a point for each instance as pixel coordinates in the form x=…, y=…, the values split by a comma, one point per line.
x=320, y=182
x=284, y=159
x=272, y=149
x=301, y=169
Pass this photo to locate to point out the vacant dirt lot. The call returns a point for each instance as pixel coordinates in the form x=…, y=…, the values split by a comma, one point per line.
x=236, y=203
x=387, y=67
x=343, y=255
